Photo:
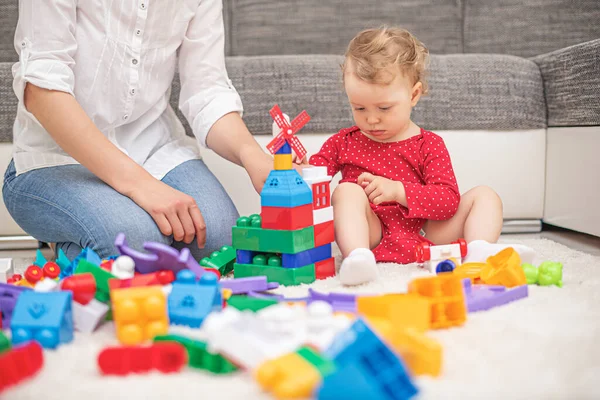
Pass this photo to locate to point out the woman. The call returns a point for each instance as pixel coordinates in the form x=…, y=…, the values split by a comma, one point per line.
x=97, y=148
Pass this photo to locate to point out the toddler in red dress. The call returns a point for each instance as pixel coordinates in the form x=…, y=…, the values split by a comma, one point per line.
x=397, y=178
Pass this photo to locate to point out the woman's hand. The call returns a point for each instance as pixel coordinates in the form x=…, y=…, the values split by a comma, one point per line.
x=174, y=212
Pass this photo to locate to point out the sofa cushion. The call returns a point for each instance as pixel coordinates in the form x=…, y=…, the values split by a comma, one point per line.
x=8, y=22
x=466, y=92
x=257, y=27
x=8, y=102
x=528, y=28
x=572, y=84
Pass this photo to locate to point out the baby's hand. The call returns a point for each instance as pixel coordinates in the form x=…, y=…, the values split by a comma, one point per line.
x=379, y=189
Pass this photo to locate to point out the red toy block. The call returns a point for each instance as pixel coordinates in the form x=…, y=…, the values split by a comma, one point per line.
x=154, y=278
x=83, y=287
x=33, y=274
x=165, y=357
x=51, y=270
x=325, y=269
x=20, y=363
x=286, y=218
x=324, y=233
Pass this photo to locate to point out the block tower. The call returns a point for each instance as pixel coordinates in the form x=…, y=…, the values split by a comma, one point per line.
x=290, y=241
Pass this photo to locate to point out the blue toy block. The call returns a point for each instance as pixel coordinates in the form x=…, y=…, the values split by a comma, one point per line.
x=359, y=351
x=306, y=257
x=285, y=149
x=285, y=188
x=40, y=260
x=44, y=317
x=189, y=302
x=86, y=254
x=62, y=261
x=244, y=256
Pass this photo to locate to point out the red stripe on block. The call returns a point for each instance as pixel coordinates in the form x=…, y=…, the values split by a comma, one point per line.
x=324, y=233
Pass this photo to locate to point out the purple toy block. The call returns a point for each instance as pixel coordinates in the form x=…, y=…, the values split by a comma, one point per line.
x=278, y=297
x=249, y=284
x=162, y=257
x=484, y=297
x=339, y=301
x=8, y=299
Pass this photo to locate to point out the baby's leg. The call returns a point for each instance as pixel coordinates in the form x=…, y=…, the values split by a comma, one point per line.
x=357, y=231
x=479, y=217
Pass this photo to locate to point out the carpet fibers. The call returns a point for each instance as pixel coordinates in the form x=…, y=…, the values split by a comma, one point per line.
x=545, y=346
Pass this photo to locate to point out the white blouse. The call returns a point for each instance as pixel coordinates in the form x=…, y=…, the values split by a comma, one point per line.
x=118, y=58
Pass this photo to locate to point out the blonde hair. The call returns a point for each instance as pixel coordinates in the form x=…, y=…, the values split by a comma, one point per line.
x=373, y=51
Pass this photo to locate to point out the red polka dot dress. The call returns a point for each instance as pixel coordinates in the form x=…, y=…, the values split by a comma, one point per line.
x=421, y=163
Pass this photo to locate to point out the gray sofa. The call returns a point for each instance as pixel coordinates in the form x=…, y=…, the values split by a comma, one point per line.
x=513, y=87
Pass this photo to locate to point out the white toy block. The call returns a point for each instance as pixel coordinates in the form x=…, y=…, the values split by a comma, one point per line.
x=6, y=269
x=46, y=285
x=322, y=215
x=87, y=318
x=315, y=174
x=123, y=267
x=480, y=250
x=322, y=325
x=440, y=253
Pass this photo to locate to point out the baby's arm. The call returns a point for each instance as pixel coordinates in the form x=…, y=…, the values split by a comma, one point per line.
x=438, y=198
x=328, y=155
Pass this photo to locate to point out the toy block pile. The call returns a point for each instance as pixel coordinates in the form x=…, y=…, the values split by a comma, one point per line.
x=290, y=241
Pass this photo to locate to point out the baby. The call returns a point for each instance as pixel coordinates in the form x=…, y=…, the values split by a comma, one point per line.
x=397, y=178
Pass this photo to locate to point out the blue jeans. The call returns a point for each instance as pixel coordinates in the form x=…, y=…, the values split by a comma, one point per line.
x=71, y=207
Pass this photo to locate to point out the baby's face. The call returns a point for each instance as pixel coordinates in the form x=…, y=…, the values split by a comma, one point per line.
x=382, y=112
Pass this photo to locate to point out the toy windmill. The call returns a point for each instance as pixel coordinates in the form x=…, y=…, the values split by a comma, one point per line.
x=288, y=132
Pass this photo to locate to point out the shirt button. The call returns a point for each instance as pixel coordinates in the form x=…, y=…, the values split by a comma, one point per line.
x=134, y=61
x=125, y=116
x=23, y=44
x=138, y=32
x=132, y=91
x=143, y=6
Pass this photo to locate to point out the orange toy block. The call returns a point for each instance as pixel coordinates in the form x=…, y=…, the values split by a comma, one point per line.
x=289, y=376
x=470, y=270
x=422, y=355
x=401, y=310
x=139, y=313
x=504, y=269
x=447, y=299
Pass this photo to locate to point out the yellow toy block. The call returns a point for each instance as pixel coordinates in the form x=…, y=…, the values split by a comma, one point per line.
x=504, y=269
x=139, y=313
x=447, y=298
x=401, y=310
x=470, y=270
x=289, y=376
x=283, y=161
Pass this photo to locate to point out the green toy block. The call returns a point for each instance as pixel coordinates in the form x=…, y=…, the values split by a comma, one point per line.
x=198, y=355
x=4, y=343
x=101, y=277
x=531, y=273
x=285, y=276
x=249, y=303
x=323, y=365
x=550, y=273
x=248, y=235
x=222, y=260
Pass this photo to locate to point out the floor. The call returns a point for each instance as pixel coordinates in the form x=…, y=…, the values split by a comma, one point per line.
x=575, y=240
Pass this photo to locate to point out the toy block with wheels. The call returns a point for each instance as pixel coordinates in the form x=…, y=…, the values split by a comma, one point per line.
x=289, y=242
x=442, y=258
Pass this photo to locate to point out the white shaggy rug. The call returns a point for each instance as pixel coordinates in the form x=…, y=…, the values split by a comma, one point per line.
x=546, y=346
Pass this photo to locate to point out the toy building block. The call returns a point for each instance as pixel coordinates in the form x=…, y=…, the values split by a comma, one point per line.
x=86, y=254
x=431, y=256
x=324, y=233
x=160, y=257
x=401, y=310
x=44, y=317
x=447, y=299
x=283, y=161
x=86, y=318
x=9, y=295
x=480, y=251
x=123, y=267
x=40, y=260
x=345, y=302
x=322, y=364
x=285, y=136
x=199, y=356
x=6, y=269
x=470, y=270
x=46, y=285
x=139, y=313
x=285, y=189
x=100, y=276
x=246, y=285
x=165, y=357
x=161, y=278
x=366, y=368
x=249, y=303
x=190, y=302
x=82, y=285
x=286, y=218
x=63, y=262
x=284, y=276
x=325, y=268
x=306, y=257
x=484, y=297
x=504, y=269
x=549, y=273
x=317, y=179
x=4, y=343
x=20, y=363
x=222, y=260
x=247, y=235
x=288, y=377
